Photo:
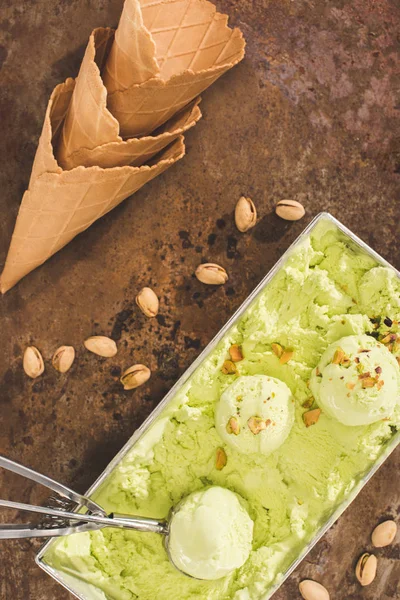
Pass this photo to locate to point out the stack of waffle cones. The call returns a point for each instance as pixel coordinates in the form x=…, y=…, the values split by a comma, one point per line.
x=121, y=122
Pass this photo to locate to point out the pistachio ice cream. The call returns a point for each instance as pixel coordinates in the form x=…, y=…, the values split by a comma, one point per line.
x=210, y=534
x=357, y=380
x=328, y=301
x=255, y=414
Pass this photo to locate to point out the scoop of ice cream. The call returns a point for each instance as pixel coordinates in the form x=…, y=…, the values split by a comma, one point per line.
x=357, y=381
x=255, y=414
x=210, y=534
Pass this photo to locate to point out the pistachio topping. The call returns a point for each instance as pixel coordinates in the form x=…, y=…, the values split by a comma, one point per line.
x=229, y=368
x=311, y=417
x=220, y=459
x=277, y=349
x=308, y=403
x=368, y=382
x=233, y=426
x=257, y=424
x=286, y=356
x=340, y=358
x=236, y=353
x=387, y=339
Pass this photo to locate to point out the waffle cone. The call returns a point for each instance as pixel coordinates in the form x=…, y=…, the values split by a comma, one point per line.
x=88, y=141
x=61, y=204
x=192, y=46
x=120, y=123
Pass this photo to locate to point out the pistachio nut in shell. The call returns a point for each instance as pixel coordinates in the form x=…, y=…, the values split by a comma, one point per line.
x=384, y=534
x=290, y=210
x=135, y=376
x=63, y=358
x=33, y=362
x=147, y=301
x=211, y=274
x=245, y=214
x=312, y=590
x=366, y=568
x=101, y=345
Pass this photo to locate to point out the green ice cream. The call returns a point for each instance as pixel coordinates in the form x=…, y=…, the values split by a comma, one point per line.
x=327, y=289
x=210, y=534
x=356, y=381
x=255, y=414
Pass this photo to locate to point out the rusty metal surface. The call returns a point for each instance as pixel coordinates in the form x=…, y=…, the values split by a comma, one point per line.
x=311, y=114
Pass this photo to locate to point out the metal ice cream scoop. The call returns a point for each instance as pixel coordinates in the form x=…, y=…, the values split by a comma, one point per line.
x=58, y=521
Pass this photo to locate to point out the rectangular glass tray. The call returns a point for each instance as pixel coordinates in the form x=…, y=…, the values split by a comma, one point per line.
x=84, y=591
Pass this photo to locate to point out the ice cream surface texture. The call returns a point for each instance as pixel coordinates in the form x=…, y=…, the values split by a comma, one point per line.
x=210, y=534
x=255, y=414
x=327, y=289
x=357, y=381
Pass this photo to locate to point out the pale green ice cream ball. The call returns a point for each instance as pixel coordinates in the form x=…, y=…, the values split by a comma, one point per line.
x=210, y=534
x=357, y=381
x=255, y=414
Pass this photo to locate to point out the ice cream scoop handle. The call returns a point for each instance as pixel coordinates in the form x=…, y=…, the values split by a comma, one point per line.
x=138, y=523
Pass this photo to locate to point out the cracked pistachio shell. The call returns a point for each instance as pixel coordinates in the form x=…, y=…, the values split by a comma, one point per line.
x=101, y=345
x=245, y=214
x=366, y=568
x=147, y=301
x=135, y=376
x=384, y=534
x=63, y=358
x=211, y=274
x=312, y=590
x=33, y=362
x=290, y=210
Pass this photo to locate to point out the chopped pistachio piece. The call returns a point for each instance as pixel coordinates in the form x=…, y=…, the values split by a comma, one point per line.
x=256, y=425
x=286, y=356
x=229, y=368
x=235, y=352
x=390, y=337
x=338, y=356
x=233, y=426
x=221, y=459
x=368, y=382
x=308, y=403
x=277, y=350
x=311, y=416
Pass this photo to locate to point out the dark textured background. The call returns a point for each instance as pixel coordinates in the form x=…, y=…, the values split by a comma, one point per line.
x=311, y=114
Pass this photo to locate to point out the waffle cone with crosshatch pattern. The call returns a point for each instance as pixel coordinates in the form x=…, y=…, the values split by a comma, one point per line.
x=142, y=80
x=61, y=204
